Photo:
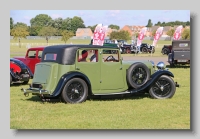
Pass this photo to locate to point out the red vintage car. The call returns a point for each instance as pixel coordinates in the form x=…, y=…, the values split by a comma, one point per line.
x=32, y=57
x=19, y=72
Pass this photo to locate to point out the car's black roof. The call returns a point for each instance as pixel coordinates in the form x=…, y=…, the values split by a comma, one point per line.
x=66, y=54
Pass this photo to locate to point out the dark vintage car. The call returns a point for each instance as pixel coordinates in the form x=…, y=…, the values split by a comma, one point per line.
x=19, y=72
x=166, y=49
x=180, y=53
x=75, y=72
x=144, y=48
x=112, y=44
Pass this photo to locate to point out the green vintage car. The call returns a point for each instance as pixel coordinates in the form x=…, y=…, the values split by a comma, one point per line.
x=74, y=72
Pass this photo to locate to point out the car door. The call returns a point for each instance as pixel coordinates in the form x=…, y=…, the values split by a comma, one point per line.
x=111, y=70
x=32, y=59
x=89, y=67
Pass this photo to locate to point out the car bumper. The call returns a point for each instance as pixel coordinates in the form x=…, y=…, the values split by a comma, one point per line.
x=39, y=92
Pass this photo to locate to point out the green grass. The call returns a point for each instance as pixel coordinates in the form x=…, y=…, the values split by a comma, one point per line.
x=129, y=112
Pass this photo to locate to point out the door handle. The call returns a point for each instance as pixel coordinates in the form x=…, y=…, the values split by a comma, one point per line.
x=120, y=68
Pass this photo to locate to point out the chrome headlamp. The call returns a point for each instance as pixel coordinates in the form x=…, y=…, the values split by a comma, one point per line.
x=161, y=65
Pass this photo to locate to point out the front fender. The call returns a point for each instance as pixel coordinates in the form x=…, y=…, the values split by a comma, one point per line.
x=153, y=78
x=65, y=78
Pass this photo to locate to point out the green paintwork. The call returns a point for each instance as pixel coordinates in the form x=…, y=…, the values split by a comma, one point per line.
x=105, y=77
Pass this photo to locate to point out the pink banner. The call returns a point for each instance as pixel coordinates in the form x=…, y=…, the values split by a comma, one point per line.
x=99, y=34
x=141, y=36
x=157, y=36
x=177, y=33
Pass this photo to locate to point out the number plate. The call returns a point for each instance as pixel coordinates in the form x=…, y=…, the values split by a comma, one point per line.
x=182, y=60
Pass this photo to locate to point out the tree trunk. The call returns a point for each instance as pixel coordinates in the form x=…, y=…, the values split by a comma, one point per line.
x=19, y=43
x=47, y=40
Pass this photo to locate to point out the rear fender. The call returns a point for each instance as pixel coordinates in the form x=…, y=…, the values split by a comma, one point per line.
x=66, y=77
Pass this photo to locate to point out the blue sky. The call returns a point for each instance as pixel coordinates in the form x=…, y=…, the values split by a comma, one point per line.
x=106, y=17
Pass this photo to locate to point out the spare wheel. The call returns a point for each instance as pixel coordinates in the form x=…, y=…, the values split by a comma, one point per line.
x=137, y=75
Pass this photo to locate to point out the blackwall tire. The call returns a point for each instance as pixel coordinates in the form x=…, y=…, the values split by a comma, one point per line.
x=75, y=91
x=166, y=91
x=144, y=50
x=25, y=82
x=137, y=75
x=165, y=51
x=10, y=79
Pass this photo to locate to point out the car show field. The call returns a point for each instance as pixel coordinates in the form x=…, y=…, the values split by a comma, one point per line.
x=136, y=111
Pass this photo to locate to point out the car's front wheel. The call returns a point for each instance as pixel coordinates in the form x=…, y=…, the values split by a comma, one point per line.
x=163, y=88
x=10, y=79
x=75, y=91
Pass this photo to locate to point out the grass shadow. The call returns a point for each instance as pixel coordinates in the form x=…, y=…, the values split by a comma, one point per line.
x=95, y=98
x=16, y=84
x=119, y=97
x=178, y=66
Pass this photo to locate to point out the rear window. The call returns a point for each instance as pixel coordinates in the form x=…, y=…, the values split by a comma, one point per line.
x=50, y=56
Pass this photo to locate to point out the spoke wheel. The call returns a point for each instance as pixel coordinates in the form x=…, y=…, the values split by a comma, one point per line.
x=75, y=91
x=165, y=51
x=144, y=50
x=163, y=88
x=138, y=74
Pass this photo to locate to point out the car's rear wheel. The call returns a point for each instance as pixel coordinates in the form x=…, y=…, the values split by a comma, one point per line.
x=137, y=75
x=163, y=88
x=165, y=51
x=75, y=91
x=144, y=50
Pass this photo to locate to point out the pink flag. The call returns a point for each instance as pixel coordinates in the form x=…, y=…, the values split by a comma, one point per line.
x=99, y=34
x=157, y=36
x=177, y=33
x=141, y=36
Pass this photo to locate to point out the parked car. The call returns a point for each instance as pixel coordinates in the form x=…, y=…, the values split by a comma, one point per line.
x=180, y=53
x=63, y=74
x=144, y=48
x=19, y=72
x=32, y=57
x=113, y=44
x=166, y=49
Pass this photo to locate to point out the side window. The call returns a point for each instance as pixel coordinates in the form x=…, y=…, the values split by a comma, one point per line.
x=39, y=54
x=50, y=56
x=110, y=56
x=31, y=54
x=89, y=55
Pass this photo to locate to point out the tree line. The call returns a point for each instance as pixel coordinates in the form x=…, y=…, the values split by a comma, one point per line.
x=172, y=24
x=43, y=25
